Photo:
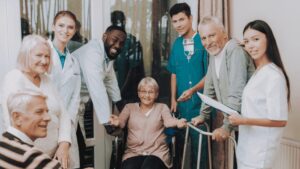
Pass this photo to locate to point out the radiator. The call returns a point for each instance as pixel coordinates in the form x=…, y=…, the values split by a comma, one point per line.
x=289, y=156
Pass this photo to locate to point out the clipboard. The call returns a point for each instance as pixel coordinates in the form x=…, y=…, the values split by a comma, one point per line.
x=213, y=103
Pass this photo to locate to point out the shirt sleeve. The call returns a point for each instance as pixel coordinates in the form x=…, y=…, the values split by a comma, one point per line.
x=238, y=72
x=237, y=77
x=112, y=86
x=75, y=98
x=209, y=91
x=94, y=76
x=37, y=159
x=64, y=126
x=124, y=116
x=168, y=120
x=64, y=117
x=277, y=103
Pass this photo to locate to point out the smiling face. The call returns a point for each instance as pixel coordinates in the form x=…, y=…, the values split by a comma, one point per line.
x=255, y=44
x=39, y=59
x=182, y=24
x=64, y=28
x=35, y=120
x=113, y=43
x=213, y=38
x=147, y=95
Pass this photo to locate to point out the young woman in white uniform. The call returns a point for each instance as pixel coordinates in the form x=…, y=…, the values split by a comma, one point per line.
x=265, y=101
x=66, y=73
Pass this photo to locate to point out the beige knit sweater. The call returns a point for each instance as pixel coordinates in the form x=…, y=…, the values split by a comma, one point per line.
x=146, y=133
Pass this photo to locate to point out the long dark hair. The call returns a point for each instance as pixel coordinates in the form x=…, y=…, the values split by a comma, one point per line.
x=272, y=48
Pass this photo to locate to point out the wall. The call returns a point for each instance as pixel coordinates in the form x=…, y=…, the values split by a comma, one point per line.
x=100, y=19
x=10, y=38
x=10, y=34
x=283, y=17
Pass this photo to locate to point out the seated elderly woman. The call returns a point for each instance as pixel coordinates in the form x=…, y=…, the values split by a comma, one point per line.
x=146, y=142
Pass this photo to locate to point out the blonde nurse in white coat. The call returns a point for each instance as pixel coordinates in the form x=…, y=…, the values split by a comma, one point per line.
x=66, y=73
x=265, y=101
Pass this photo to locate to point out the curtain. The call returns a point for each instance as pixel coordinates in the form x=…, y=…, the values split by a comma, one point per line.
x=138, y=23
x=39, y=14
x=219, y=8
x=222, y=153
x=100, y=15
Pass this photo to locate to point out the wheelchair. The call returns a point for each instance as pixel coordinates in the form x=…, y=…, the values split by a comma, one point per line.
x=119, y=146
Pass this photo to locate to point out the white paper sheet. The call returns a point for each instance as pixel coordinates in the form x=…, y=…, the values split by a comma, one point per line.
x=213, y=103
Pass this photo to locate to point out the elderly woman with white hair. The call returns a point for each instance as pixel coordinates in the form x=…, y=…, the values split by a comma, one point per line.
x=33, y=64
x=146, y=121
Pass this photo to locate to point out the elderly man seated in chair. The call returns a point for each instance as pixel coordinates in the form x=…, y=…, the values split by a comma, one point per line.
x=29, y=116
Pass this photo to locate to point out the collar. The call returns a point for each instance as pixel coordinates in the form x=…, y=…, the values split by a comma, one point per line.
x=190, y=37
x=59, y=53
x=223, y=50
x=20, y=135
x=106, y=58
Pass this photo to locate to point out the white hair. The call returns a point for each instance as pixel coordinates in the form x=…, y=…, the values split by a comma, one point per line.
x=28, y=44
x=18, y=102
x=148, y=81
x=211, y=19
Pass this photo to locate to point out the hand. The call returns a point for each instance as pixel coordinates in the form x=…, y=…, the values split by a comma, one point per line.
x=173, y=105
x=236, y=120
x=185, y=95
x=62, y=154
x=220, y=134
x=181, y=123
x=114, y=120
x=197, y=121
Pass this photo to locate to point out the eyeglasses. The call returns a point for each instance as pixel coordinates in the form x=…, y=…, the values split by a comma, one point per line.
x=144, y=92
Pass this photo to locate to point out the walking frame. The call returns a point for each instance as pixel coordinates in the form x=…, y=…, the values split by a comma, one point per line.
x=201, y=133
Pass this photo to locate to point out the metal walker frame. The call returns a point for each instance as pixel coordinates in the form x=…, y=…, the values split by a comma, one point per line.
x=201, y=133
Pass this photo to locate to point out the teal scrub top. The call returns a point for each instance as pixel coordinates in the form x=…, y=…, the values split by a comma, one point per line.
x=188, y=73
x=62, y=56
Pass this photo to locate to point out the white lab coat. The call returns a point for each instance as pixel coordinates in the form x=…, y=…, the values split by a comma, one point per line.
x=68, y=82
x=264, y=97
x=99, y=77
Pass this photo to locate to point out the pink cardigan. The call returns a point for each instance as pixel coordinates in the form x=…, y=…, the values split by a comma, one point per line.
x=146, y=134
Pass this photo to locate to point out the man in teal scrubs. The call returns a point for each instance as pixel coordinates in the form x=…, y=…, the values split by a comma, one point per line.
x=188, y=65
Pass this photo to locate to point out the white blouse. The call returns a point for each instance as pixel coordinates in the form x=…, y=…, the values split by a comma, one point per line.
x=264, y=97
